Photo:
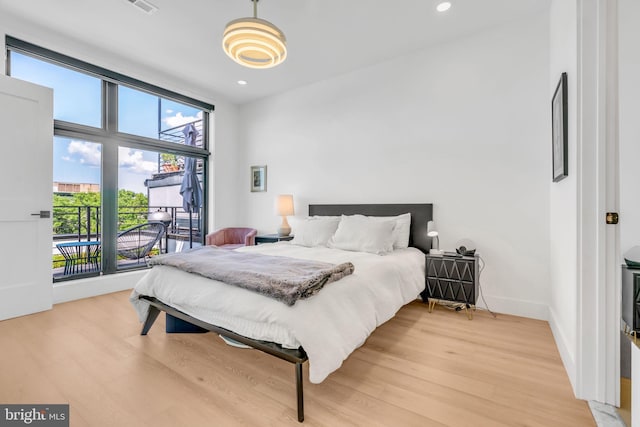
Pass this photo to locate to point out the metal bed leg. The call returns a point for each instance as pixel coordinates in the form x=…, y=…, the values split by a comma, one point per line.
x=299, y=392
x=290, y=355
x=151, y=317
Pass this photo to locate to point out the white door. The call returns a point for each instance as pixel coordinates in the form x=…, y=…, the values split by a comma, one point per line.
x=26, y=144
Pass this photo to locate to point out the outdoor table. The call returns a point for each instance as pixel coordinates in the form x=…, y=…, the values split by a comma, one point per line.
x=80, y=257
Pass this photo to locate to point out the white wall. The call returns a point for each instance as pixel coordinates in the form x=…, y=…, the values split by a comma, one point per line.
x=563, y=195
x=464, y=125
x=224, y=202
x=629, y=112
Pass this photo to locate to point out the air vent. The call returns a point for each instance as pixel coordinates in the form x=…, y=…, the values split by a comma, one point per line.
x=144, y=6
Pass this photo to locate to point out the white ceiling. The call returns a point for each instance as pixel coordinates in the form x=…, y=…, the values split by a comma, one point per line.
x=324, y=38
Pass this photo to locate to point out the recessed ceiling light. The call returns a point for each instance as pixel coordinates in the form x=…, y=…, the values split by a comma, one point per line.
x=242, y=82
x=444, y=6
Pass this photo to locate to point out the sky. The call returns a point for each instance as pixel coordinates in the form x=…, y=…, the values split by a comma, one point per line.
x=77, y=99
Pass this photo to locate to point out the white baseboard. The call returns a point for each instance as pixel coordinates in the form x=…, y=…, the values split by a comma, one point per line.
x=515, y=307
x=90, y=287
x=567, y=356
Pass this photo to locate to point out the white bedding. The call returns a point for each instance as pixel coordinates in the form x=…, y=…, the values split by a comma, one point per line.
x=329, y=325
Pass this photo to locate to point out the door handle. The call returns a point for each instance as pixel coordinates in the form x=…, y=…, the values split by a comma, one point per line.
x=42, y=214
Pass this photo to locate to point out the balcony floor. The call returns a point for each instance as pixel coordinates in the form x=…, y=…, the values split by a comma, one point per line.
x=125, y=264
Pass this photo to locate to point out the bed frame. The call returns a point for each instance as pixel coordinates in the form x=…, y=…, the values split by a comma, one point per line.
x=420, y=215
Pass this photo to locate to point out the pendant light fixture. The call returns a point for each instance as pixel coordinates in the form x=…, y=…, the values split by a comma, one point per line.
x=254, y=42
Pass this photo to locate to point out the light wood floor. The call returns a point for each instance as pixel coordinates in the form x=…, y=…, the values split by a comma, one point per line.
x=419, y=369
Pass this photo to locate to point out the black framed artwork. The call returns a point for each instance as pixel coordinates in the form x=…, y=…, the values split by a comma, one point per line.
x=559, y=137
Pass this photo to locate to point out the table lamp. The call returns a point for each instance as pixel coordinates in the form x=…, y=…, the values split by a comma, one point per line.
x=284, y=207
x=433, y=233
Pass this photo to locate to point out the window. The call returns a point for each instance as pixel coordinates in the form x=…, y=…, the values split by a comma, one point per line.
x=152, y=116
x=76, y=202
x=160, y=192
x=77, y=96
x=120, y=151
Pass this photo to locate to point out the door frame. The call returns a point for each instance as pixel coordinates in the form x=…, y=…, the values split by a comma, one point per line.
x=598, y=323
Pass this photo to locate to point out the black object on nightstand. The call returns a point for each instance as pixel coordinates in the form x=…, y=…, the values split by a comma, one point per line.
x=451, y=278
x=271, y=238
x=631, y=298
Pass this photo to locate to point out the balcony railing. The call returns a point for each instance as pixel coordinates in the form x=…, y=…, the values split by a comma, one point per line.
x=82, y=224
x=76, y=222
x=171, y=162
x=175, y=134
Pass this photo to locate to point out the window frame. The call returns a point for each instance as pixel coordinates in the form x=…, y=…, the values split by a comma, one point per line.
x=111, y=138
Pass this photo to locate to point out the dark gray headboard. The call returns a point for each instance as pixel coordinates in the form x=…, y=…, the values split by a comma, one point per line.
x=420, y=215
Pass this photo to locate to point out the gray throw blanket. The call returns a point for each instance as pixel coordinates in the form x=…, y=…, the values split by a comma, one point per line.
x=283, y=278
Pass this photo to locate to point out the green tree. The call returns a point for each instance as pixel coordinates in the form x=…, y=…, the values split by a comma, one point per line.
x=69, y=210
x=84, y=209
x=132, y=209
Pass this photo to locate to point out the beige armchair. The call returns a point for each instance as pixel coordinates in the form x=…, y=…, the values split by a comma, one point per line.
x=232, y=237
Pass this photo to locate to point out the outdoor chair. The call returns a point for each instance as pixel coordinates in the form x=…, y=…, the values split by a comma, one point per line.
x=232, y=237
x=136, y=242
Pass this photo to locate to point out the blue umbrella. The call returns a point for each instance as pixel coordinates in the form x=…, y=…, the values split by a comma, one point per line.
x=190, y=189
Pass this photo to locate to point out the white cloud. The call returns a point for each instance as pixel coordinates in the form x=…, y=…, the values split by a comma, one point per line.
x=179, y=119
x=133, y=161
x=67, y=159
x=87, y=152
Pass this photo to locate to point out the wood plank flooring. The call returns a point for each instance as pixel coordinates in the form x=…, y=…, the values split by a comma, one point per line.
x=418, y=369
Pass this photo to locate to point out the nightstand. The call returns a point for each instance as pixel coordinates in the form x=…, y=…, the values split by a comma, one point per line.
x=631, y=299
x=271, y=238
x=451, y=278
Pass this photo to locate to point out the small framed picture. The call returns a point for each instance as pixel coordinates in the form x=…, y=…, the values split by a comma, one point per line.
x=258, y=178
x=560, y=143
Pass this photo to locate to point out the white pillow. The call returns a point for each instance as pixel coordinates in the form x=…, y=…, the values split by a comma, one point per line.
x=401, y=229
x=315, y=231
x=360, y=233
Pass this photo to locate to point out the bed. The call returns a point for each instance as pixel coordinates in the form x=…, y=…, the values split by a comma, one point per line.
x=349, y=309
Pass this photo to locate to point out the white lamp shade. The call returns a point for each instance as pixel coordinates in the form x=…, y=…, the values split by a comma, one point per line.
x=284, y=205
x=431, y=229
